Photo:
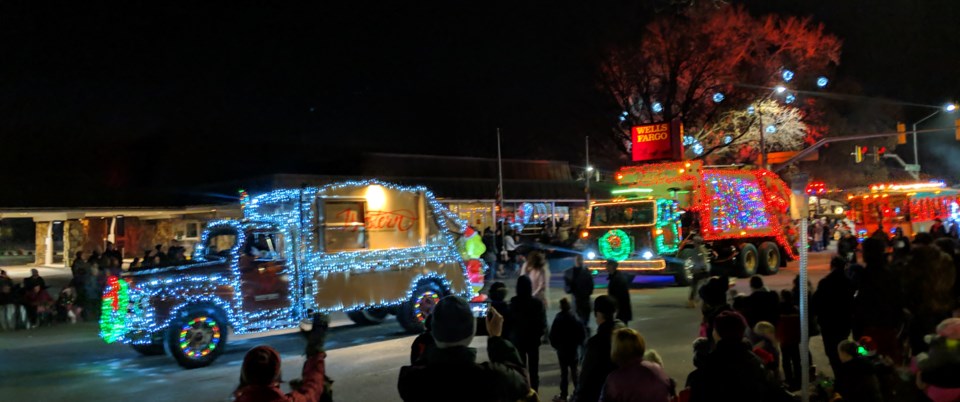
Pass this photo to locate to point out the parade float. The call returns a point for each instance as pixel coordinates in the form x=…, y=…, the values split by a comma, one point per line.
x=370, y=249
x=673, y=218
x=912, y=207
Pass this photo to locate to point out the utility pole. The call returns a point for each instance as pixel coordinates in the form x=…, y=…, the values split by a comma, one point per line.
x=587, y=172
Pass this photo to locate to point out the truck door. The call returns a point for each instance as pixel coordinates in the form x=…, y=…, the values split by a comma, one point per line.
x=264, y=277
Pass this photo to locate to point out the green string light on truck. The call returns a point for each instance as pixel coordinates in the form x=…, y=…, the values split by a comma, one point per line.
x=668, y=218
x=114, y=305
x=615, y=245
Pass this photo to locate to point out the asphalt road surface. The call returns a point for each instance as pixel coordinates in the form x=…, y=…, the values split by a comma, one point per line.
x=70, y=363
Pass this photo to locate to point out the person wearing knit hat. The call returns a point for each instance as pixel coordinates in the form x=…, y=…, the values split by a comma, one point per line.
x=260, y=374
x=451, y=372
x=731, y=372
x=729, y=325
x=939, y=368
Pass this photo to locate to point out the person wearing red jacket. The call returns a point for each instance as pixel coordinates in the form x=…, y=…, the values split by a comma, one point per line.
x=260, y=373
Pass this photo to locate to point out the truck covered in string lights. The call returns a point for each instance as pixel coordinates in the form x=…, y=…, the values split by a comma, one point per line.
x=674, y=218
x=367, y=248
x=911, y=207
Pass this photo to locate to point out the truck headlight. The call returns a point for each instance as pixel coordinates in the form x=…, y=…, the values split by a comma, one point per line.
x=591, y=255
x=647, y=255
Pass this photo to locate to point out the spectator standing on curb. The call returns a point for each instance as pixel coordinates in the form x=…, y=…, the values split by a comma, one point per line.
x=528, y=321
x=619, y=289
x=578, y=282
x=634, y=380
x=33, y=280
x=537, y=269
x=260, y=374
x=832, y=304
x=451, y=371
x=597, y=363
x=731, y=371
x=566, y=336
x=857, y=379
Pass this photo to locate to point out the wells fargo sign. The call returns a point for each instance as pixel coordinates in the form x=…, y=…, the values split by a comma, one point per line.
x=658, y=141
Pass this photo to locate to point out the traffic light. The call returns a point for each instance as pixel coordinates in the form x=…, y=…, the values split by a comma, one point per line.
x=858, y=153
x=902, y=134
x=878, y=153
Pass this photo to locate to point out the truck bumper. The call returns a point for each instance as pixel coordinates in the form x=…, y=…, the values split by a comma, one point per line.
x=633, y=267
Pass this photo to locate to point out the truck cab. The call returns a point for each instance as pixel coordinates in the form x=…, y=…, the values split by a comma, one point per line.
x=641, y=235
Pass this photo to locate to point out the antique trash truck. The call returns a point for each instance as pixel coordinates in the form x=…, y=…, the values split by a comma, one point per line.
x=676, y=217
x=367, y=248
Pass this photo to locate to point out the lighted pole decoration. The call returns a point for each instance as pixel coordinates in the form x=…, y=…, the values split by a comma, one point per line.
x=950, y=107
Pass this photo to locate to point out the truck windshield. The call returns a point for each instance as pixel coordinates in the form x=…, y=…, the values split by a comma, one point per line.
x=622, y=214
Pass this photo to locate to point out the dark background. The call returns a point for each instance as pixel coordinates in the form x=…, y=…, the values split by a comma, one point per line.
x=104, y=96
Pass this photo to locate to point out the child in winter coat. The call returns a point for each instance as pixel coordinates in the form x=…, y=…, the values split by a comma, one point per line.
x=566, y=336
x=767, y=348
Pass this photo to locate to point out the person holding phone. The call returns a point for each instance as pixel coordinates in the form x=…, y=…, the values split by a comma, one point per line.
x=260, y=375
x=451, y=371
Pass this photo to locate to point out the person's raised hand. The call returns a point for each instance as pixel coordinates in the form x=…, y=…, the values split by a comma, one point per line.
x=494, y=322
x=318, y=334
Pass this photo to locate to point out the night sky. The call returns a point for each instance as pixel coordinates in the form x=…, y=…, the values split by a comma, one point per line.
x=110, y=97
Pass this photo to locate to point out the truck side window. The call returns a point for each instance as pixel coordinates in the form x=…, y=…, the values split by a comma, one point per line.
x=344, y=226
x=264, y=245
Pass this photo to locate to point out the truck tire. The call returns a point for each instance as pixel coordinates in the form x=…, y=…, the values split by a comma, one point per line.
x=197, y=338
x=414, y=311
x=148, y=349
x=367, y=316
x=747, y=261
x=769, y=258
x=683, y=270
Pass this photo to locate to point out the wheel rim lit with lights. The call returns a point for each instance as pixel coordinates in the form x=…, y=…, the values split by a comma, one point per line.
x=425, y=304
x=199, y=337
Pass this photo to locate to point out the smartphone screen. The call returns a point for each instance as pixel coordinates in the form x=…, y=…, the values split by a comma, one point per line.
x=479, y=309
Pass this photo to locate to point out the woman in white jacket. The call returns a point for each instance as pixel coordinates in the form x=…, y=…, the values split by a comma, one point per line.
x=538, y=271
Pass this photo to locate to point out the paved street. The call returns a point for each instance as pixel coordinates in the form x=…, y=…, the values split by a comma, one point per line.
x=70, y=363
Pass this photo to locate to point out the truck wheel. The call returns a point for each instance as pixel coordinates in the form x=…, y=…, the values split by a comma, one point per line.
x=368, y=316
x=769, y=258
x=197, y=339
x=414, y=311
x=683, y=271
x=148, y=349
x=747, y=261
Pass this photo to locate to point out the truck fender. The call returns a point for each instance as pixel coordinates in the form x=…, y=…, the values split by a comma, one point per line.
x=211, y=305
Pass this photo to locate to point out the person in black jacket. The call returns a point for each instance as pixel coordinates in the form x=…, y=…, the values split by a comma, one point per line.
x=578, y=282
x=597, y=363
x=566, y=336
x=619, y=289
x=832, y=304
x=857, y=379
x=761, y=304
x=731, y=371
x=528, y=321
x=451, y=372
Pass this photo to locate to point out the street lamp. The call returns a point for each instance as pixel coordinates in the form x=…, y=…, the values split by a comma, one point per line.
x=950, y=107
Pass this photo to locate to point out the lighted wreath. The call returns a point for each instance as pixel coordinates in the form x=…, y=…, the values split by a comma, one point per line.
x=615, y=245
x=113, y=317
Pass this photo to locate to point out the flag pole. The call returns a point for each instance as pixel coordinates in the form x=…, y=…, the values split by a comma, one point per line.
x=503, y=230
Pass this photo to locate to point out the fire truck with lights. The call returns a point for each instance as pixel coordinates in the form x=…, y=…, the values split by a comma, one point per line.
x=675, y=218
x=368, y=248
x=911, y=207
